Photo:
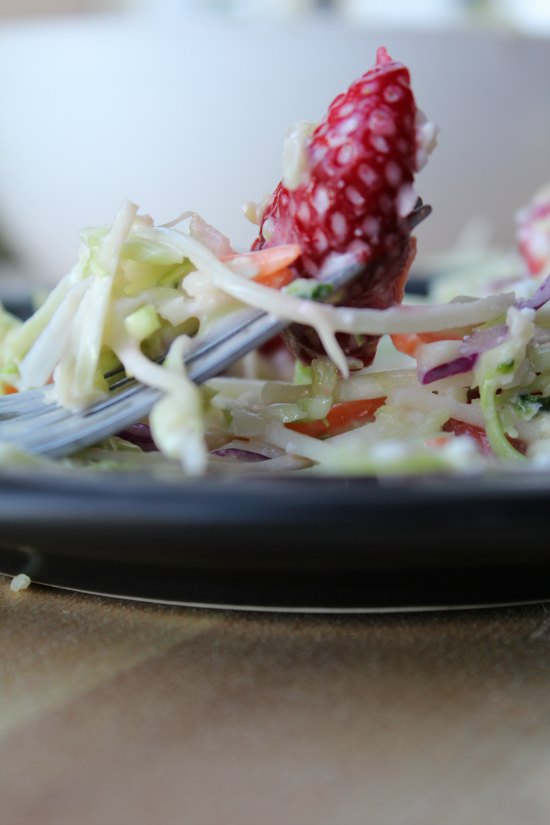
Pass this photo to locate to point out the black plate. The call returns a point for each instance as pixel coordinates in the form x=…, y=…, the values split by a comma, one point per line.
x=282, y=543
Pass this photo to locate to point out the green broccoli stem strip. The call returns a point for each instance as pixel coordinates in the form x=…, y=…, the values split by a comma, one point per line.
x=500, y=445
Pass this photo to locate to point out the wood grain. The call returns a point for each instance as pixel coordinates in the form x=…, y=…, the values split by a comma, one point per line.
x=121, y=713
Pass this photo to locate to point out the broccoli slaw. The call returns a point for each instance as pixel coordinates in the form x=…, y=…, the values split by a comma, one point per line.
x=458, y=386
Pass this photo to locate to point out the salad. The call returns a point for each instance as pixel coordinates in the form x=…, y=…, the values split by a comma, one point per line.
x=374, y=385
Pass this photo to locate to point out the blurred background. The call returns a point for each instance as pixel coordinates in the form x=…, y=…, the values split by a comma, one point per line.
x=184, y=104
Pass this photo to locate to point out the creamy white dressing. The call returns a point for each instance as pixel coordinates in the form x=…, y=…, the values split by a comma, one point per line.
x=295, y=154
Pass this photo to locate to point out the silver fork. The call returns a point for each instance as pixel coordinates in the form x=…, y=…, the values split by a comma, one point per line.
x=31, y=421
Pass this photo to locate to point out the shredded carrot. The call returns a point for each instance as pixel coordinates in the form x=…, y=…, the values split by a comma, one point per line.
x=340, y=418
x=268, y=260
x=269, y=266
x=276, y=280
x=437, y=441
x=408, y=342
x=9, y=390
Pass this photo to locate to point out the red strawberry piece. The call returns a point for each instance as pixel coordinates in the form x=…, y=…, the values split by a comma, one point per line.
x=534, y=233
x=453, y=425
x=355, y=197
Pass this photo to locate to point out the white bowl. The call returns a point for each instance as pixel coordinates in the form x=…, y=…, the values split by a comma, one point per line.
x=180, y=114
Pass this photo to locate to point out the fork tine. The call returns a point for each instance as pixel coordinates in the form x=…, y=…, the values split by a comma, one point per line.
x=420, y=212
x=79, y=430
x=21, y=403
x=69, y=432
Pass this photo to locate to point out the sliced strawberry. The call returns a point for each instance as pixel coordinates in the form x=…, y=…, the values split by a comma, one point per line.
x=453, y=425
x=357, y=192
x=533, y=233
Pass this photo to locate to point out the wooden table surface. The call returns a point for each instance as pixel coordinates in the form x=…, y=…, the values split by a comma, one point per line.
x=119, y=713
